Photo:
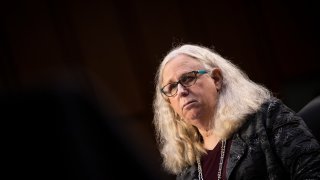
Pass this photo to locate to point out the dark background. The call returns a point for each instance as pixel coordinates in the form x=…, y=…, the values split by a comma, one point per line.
x=76, y=77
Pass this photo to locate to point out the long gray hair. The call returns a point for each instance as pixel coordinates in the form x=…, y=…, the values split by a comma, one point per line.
x=180, y=143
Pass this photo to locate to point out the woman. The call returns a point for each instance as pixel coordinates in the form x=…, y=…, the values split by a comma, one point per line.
x=213, y=122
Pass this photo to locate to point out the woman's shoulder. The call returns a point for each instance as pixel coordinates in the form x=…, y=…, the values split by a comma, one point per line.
x=272, y=112
x=274, y=105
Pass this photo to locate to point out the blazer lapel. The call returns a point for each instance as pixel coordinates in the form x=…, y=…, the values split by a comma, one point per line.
x=237, y=150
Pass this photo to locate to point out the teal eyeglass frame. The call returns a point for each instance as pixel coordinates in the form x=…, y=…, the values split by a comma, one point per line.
x=184, y=80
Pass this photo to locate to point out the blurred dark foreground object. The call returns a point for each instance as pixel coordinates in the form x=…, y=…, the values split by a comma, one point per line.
x=61, y=134
x=311, y=115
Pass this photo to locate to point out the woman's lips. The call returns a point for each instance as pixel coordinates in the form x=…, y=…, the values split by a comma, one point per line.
x=188, y=104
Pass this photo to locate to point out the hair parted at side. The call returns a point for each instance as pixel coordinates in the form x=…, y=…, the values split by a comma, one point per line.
x=180, y=144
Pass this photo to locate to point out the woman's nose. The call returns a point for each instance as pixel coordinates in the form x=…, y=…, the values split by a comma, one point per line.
x=182, y=90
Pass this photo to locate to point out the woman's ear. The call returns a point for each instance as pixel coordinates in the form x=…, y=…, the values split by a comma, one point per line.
x=217, y=77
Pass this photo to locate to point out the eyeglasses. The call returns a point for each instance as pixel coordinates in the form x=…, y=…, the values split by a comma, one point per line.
x=186, y=80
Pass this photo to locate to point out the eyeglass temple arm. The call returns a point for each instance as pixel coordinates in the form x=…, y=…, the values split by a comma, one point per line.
x=202, y=71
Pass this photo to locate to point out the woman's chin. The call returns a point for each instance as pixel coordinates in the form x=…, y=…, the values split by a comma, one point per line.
x=192, y=119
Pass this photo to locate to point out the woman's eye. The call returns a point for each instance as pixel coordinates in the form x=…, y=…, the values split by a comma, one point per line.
x=187, y=79
x=171, y=87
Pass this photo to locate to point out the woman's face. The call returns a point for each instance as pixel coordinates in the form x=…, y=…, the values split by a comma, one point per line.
x=195, y=104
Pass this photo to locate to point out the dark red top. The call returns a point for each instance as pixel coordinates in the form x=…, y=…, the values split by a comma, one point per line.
x=210, y=162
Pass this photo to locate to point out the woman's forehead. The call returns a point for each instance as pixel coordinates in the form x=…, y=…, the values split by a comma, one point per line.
x=179, y=65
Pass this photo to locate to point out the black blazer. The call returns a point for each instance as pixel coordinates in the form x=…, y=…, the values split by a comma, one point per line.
x=274, y=143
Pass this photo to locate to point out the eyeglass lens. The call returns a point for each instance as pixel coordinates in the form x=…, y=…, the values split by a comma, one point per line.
x=186, y=80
